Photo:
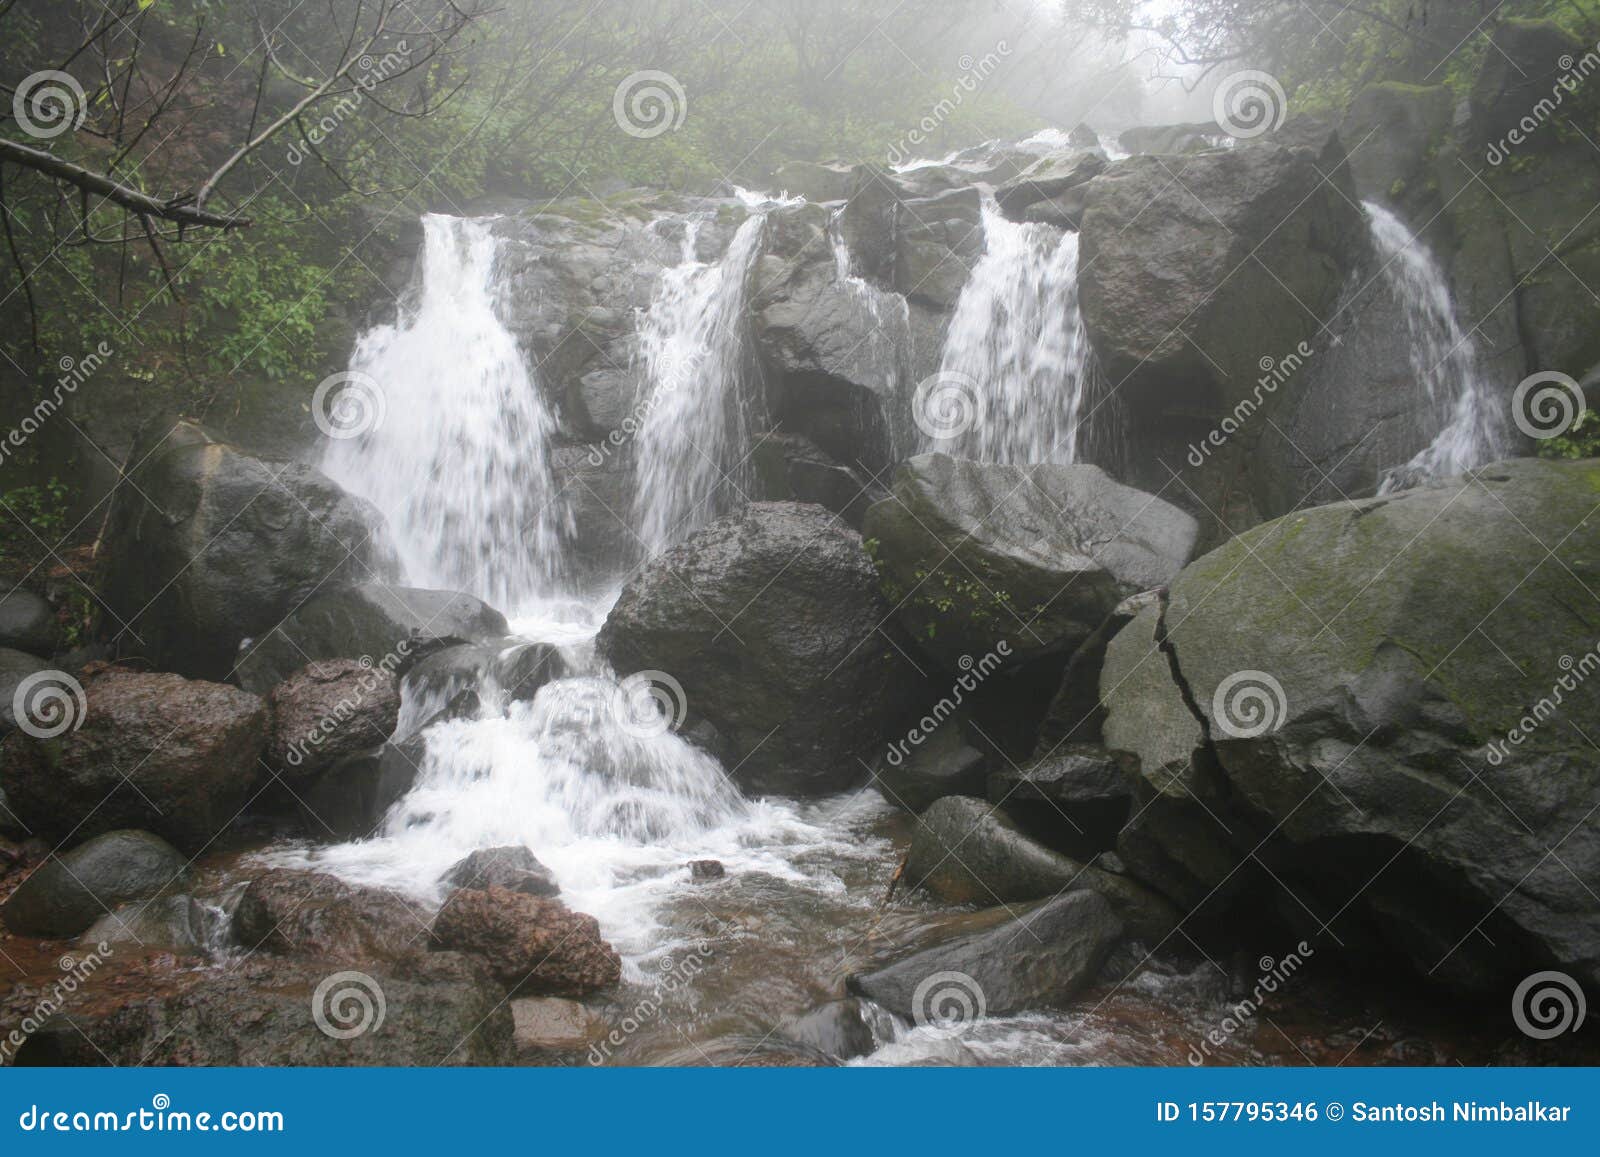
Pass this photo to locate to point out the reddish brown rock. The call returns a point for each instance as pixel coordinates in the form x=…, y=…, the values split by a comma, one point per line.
x=312, y=914
x=328, y=710
x=154, y=752
x=533, y=944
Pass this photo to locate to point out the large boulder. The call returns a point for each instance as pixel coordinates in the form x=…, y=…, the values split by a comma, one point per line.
x=69, y=892
x=1039, y=960
x=313, y=914
x=17, y=668
x=968, y=851
x=27, y=623
x=389, y=626
x=793, y=468
x=770, y=620
x=209, y=545
x=515, y=869
x=328, y=710
x=974, y=554
x=438, y=1009
x=534, y=945
x=1376, y=712
x=1041, y=192
x=942, y=764
x=158, y=752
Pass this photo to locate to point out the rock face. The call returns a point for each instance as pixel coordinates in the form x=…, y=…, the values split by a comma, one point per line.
x=795, y=469
x=1405, y=751
x=1051, y=189
x=1081, y=783
x=515, y=869
x=945, y=764
x=313, y=914
x=973, y=554
x=533, y=945
x=967, y=851
x=1040, y=960
x=391, y=626
x=27, y=623
x=176, y=757
x=70, y=892
x=770, y=620
x=440, y=1009
x=328, y=710
x=210, y=545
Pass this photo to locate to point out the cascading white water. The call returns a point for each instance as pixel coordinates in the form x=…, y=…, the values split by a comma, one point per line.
x=458, y=453
x=882, y=352
x=1016, y=351
x=690, y=463
x=1455, y=402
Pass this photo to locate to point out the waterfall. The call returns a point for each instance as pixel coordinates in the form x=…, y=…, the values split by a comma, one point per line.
x=1453, y=400
x=456, y=449
x=691, y=462
x=1017, y=346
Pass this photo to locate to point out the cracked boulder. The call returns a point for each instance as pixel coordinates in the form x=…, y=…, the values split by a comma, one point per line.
x=1375, y=717
x=973, y=555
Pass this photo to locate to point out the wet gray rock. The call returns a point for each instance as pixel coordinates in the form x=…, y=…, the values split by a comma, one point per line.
x=975, y=554
x=513, y=868
x=391, y=626
x=27, y=623
x=840, y=1028
x=209, y=544
x=1046, y=181
x=769, y=619
x=176, y=924
x=944, y=764
x=69, y=892
x=15, y=666
x=1039, y=960
x=299, y=913
x=327, y=711
x=793, y=468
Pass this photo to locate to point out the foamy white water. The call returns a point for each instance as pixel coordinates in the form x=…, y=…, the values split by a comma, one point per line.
x=1017, y=345
x=1455, y=403
x=460, y=461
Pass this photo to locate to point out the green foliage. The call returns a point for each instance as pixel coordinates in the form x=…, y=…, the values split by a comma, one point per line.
x=41, y=509
x=1581, y=441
